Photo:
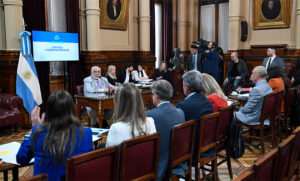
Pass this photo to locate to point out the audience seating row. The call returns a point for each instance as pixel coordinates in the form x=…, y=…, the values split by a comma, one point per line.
x=137, y=158
x=281, y=163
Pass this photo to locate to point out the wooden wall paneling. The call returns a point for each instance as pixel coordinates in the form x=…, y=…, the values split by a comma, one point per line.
x=118, y=58
x=8, y=71
x=255, y=55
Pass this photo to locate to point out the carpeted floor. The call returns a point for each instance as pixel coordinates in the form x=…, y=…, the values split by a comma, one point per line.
x=8, y=135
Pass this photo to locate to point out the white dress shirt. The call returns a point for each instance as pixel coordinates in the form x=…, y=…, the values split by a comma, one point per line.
x=138, y=75
x=270, y=59
x=127, y=77
x=121, y=131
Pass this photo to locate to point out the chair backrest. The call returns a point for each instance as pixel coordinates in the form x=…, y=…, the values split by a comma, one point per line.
x=181, y=144
x=268, y=108
x=42, y=177
x=247, y=175
x=208, y=132
x=278, y=101
x=295, y=158
x=139, y=158
x=99, y=164
x=289, y=100
x=79, y=89
x=265, y=167
x=284, y=152
x=226, y=116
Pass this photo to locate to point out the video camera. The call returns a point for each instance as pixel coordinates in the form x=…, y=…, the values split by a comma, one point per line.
x=203, y=44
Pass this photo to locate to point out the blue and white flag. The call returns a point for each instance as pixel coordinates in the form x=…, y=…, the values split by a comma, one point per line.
x=27, y=84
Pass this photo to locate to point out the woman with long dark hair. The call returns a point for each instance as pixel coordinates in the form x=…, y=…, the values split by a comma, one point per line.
x=56, y=139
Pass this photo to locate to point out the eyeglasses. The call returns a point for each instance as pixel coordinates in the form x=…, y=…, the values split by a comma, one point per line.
x=96, y=71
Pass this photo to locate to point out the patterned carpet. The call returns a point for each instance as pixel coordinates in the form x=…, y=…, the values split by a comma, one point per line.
x=8, y=135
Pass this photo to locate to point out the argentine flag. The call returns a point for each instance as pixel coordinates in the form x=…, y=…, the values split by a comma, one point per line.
x=27, y=84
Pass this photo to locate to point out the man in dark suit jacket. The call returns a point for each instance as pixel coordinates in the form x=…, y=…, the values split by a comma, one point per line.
x=165, y=118
x=126, y=75
x=272, y=60
x=195, y=105
x=113, y=9
x=194, y=61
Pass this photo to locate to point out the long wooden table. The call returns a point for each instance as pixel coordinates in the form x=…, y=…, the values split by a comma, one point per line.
x=105, y=102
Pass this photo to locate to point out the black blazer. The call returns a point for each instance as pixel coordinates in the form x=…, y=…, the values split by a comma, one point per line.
x=195, y=107
x=242, y=69
x=200, y=63
x=111, y=80
x=121, y=76
x=165, y=75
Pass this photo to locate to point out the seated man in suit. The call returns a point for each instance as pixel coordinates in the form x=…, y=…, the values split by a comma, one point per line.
x=272, y=60
x=165, y=118
x=195, y=105
x=96, y=86
x=235, y=73
x=126, y=75
x=250, y=113
x=194, y=61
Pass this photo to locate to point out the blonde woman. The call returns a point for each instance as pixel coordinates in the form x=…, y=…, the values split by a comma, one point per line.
x=129, y=116
x=213, y=92
x=111, y=75
x=163, y=73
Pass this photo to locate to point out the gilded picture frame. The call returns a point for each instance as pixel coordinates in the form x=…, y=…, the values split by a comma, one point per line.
x=114, y=14
x=270, y=14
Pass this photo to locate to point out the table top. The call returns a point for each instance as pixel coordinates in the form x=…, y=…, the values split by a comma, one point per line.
x=99, y=97
x=238, y=98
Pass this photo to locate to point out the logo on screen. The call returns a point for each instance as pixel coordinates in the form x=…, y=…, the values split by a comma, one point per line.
x=56, y=37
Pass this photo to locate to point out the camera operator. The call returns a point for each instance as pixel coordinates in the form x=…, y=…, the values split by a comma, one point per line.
x=211, y=64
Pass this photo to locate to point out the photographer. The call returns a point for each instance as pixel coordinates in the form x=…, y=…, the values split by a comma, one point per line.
x=211, y=64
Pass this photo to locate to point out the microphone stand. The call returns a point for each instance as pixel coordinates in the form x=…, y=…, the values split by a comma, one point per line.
x=109, y=93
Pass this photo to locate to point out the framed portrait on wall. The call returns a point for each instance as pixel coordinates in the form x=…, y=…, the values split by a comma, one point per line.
x=269, y=14
x=114, y=14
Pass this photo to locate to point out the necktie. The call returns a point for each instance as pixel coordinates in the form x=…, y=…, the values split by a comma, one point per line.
x=269, y=63
x=98, y=83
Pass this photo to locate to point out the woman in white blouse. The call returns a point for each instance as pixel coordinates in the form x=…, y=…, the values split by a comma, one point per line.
x=129, y=116
x=140, y=74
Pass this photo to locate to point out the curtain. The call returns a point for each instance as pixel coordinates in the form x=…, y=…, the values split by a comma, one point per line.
x=158, y=34
x=223, y=26
x=207, y=24
x=167, y=40
x=75, y=73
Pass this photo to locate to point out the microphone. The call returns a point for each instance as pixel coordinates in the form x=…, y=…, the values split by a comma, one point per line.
x=109, y=92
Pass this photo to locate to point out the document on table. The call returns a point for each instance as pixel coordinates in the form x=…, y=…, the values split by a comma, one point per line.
x=8, y=152
x=100, y=131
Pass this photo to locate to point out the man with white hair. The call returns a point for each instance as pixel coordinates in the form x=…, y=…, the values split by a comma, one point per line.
x=96, y=86
x=250, y=113
x=272, y=60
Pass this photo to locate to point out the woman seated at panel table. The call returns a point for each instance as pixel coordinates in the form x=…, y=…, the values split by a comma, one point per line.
x=163, y=73
x=56, y=139
x=129, y=117
x=213, y=92
x=111, y=75
x=139, y=73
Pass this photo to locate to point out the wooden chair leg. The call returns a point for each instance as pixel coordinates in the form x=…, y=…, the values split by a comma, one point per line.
x=279, y=129
x=197, y=172
x=262, y=144
x=215, y=169
x=229, y=166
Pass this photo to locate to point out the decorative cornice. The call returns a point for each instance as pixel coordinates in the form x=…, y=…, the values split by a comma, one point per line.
x=92, y=11
x=13, y=2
